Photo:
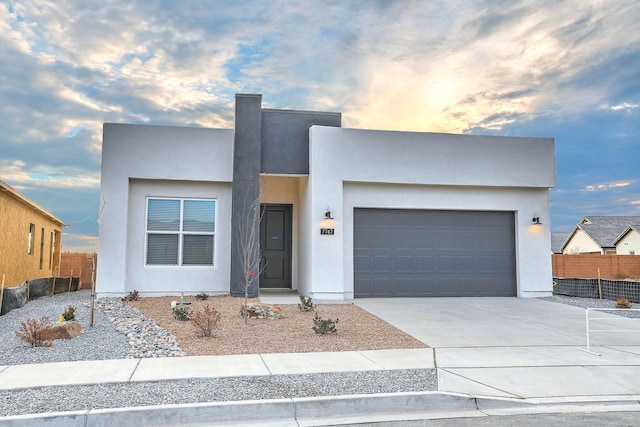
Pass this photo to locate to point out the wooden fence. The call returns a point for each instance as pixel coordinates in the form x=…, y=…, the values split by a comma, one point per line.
x=587, y=266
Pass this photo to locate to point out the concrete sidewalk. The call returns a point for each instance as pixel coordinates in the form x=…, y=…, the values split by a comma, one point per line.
x=16, y=377
x=493, y=356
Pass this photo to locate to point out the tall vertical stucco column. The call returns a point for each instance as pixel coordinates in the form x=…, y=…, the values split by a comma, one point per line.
x=246, y=183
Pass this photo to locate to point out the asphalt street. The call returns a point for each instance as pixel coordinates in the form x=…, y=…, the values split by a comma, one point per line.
x=595, y=419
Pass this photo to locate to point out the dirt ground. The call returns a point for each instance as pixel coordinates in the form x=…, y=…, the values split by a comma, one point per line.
x=356, y=329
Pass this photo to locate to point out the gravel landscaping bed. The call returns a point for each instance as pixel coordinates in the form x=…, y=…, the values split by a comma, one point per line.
x=99, y=342
x=122, y=331
x=57, y=399
x=592, y=303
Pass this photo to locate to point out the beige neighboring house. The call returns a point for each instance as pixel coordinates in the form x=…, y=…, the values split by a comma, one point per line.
x=30, y=238
x=604, y=235
x=628, y=243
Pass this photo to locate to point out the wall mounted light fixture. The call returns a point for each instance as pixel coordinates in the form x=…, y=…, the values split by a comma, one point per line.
x=536, y=219
x=327, y=214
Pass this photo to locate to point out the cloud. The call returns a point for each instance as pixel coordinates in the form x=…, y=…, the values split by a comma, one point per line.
x=623, y=106
x=46, y=176
x=79, y=243
x=501, y=61
x=562, y=69
x=608, y=186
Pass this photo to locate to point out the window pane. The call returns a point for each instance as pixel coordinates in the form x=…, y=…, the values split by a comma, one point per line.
x=162, y=249
x=199, y=215
x=197, y=250
x=163, y=215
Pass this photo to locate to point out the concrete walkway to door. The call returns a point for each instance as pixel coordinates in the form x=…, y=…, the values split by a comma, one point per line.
x=519, y=348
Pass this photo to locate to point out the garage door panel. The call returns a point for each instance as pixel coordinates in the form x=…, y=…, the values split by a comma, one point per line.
x=433, y=253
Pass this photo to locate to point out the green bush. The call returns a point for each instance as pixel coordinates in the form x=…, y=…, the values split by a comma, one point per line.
x=181, y=313
x=202, y=296
x=306, y=304
x=324, y=326
x=69, y=313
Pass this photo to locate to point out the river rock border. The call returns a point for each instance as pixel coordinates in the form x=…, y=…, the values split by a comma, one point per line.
x=146, y=338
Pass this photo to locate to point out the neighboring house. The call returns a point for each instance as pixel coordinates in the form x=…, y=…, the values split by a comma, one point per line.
x=628, y=243
x=346, y=212
x=30, y=238
x=557, y=240
x=603, y=235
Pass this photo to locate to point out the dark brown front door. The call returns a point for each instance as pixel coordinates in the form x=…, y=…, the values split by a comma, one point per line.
x=275, y=245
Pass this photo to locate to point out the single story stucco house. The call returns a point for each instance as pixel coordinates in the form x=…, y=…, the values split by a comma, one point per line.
x=344, y=212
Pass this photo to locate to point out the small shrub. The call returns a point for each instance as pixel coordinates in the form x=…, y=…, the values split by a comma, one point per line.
x=324, y=326
x=133, y=296
x=181, y=313
x=306, y=304
x=623, y=302
x=202, y=296
x=69, y=313
x=206, y=320
x=35, y=333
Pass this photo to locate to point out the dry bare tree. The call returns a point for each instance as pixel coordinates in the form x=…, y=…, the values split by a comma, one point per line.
x=248, y=235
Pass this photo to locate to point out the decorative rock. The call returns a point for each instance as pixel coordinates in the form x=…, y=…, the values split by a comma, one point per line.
x=64, y=331
x=146, y=338
x=261, y=311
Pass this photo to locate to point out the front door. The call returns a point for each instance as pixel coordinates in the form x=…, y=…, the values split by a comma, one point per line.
x=275, y=245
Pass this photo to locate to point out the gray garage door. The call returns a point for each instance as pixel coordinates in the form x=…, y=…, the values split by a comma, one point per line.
x=423, y=253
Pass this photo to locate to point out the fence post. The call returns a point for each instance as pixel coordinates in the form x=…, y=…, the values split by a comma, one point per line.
x=93, y=287
x=1, y=293
x=599, y=284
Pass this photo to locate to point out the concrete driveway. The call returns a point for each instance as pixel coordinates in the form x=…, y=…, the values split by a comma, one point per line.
x=494, y=322
x=519, y=348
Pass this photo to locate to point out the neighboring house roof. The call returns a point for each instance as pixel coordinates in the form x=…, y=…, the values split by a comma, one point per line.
x=604, y=230
x=6, y=188
x=635, y=227
x=557, y=241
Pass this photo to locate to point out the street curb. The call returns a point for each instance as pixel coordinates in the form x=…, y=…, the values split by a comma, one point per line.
x=323, y=411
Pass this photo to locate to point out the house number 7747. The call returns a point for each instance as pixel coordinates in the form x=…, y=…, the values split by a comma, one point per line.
x=327, y=231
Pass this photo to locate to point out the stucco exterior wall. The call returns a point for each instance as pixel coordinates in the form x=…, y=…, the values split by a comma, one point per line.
x=15, y=262
x=358, y=168
x=155, y=153
x=167, y=280
x=629, y=244
x=581, y=243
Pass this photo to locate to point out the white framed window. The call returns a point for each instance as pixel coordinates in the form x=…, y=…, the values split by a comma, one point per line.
x=180, y=231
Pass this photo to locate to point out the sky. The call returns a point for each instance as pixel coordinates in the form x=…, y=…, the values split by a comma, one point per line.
x=569, y=70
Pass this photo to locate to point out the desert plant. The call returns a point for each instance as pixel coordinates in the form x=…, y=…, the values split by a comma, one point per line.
x=202, y=296
x=69, y=313
x=324, y=326
x=133, y=296
x=35, y=333
x=206, y=320
x=247, y=231
x=623, y=302
x=181, y=313
x=306, y=304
